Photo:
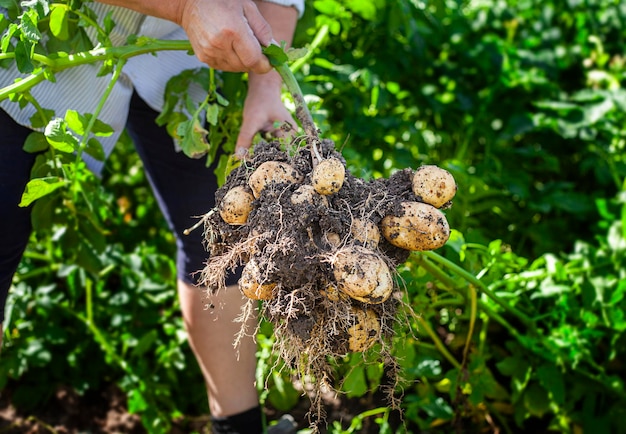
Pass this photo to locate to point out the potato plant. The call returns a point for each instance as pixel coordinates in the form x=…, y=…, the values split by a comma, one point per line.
x=311, y=246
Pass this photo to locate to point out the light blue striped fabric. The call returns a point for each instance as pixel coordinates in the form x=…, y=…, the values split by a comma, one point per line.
x=80, y=89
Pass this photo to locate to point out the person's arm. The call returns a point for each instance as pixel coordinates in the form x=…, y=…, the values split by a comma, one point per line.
x=263, y=106
x=225, y=34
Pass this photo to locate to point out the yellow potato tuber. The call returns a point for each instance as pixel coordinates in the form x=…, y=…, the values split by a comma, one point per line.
x=362, y=274
x=366, y=232
x=252, y=283
x=236, y=205
x=328, y=176
x=365, y=331
x=419, y=227
x=434, y=185
x=332, y=293
x=306, y=194
x=272, y=171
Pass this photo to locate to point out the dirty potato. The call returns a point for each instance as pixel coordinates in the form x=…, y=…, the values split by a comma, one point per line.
x=365, y=232
x=236, y=205
x=253, y=285
x=362, y=274
x=418, y=227
x=365, y=331
x=434, y=185
x=272, y=172
x=328, y=176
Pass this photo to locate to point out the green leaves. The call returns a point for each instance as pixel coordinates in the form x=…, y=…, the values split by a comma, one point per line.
x=199, y=128
x=193, y=138
x=275, y=54
x=40, y=187
x=59, y=134
x=59, y=137
x=59, y=22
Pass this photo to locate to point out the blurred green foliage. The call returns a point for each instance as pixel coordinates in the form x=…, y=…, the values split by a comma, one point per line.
x=520, y=319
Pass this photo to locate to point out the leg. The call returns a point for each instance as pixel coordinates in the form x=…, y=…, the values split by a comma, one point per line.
x=229, y=373
x=15, y=166
x=184, y=188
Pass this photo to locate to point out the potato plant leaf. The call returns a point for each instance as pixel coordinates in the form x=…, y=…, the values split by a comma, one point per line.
x=212, y=114
x=22, y=57
x=41, y=118
x=35, y=142
x=7, y=36
x=75, y=121
x=43, y=212
x=59, y=23
x=275, y=54
x=193, y=138
x=296, y=53
x=94, y=149
x=29, y=27
x=40, y=187
x=355, y=383
x=59, y=138
x=551, y=378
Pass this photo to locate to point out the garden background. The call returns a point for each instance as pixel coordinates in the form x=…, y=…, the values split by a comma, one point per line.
x=521, y=316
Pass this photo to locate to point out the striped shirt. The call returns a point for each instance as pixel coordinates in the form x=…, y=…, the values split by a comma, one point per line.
x=80, y=88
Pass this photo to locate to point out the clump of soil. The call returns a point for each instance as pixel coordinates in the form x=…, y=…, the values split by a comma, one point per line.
x=299, y=249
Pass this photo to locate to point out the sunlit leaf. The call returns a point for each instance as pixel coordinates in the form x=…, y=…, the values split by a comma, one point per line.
x=40, y=187
x=58, y=136
x=59, y=23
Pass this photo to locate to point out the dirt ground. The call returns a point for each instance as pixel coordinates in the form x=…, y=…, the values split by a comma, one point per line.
x=106, y=412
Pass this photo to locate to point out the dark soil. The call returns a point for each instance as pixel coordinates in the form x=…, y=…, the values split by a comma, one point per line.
x=105, y=412
x=68, y=412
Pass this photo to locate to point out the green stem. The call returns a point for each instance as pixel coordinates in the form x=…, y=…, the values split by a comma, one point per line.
x=104, y=343
x=89, y=301
x=434, y=270
x=320, y=37
x=473, y=280
x=45, y=60
x=302, y=111
x=47, y=270
x=38, y=108
x=105, y=96
x=22, y=85
x=57, y=64
x=472, y=323
x=438, y=344
x=494, y=315
x=482, y=336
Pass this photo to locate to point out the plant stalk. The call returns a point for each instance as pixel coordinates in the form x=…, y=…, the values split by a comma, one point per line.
x=438, y=344
x=302, y=111
x=57, y=64
x=470, y=278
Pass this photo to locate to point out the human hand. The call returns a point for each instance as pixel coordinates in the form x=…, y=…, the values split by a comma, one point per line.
x=263, y=109
x=227, y=34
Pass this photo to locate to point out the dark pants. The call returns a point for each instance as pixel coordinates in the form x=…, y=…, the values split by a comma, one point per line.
x=183, y=187
x=15, y=165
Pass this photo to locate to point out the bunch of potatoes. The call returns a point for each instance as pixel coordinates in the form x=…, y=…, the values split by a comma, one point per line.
x=308, y=234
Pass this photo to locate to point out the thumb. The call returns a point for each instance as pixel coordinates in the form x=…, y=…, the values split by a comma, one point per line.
x=260, y=27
